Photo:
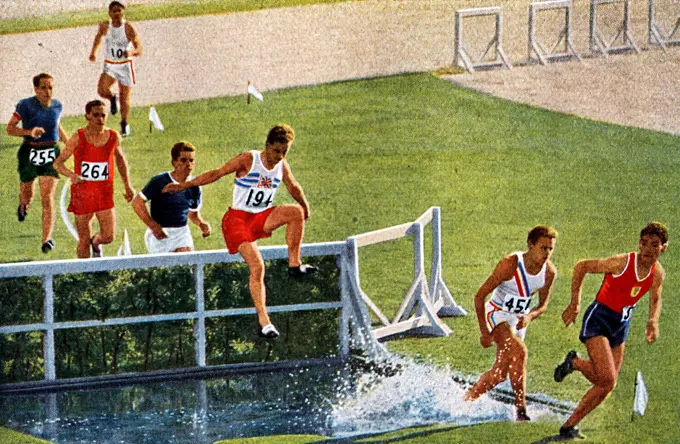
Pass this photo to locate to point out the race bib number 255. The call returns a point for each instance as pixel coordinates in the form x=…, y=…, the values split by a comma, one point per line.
x=42, y=156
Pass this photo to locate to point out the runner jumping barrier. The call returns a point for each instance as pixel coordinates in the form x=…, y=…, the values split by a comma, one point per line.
x=598, y=42
x=418, y=313
x=462, y=52
x=656, y=34
x=536, y=47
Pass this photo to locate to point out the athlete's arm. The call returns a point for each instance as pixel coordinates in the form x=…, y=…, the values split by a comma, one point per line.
x=122, y=165
x=503, y=271
x=294, y=188
x=238, y=163
x=133, y=36
x=63, y=135
x=139, y=205
x=195, y=217
x=655, y=304
x=543, y=297
x=613, y=265
x=14, y=130
x=101, y=32
x=66, y=153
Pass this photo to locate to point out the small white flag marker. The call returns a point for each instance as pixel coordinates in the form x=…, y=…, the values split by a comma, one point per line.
x=155, y=119
x=254, y=92
x=124, y=249
x=641, y=396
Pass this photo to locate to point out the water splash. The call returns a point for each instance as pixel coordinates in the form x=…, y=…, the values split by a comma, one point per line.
x=415, y=395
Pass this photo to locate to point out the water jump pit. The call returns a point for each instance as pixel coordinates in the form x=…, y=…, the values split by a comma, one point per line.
x=338, y=401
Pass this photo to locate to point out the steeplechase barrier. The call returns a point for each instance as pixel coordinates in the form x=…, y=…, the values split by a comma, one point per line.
x=418, y=315
x=463, y=55
x=424, y=302
x=657, y=36
x=543, y=53
x=599, y=43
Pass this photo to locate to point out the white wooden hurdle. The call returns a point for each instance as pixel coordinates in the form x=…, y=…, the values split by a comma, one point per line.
x=419, y=311
x=657, y=36
x=536, y=47
x=462, y=52
x=598, y=42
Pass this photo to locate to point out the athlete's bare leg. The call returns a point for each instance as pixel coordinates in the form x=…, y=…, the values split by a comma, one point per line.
x=105, y=85
x=125, y=102
x=26, y=193
x=253, y=258
x=107, y=227
x=84, y=228
x=602, y=370
x=510, y=360
x=48, y=187
x=293, y=217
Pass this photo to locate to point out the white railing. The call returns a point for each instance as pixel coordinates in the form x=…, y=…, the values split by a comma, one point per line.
x=419, y=312
x=48, y=269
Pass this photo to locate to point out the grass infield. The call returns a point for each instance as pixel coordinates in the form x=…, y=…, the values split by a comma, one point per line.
x=376, y=153
x=74, y=19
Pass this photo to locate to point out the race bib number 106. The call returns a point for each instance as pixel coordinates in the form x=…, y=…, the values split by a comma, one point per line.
x=94, y=171
x=42, y=157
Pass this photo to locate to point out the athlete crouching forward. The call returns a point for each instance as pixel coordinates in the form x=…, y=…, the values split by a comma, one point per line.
x=253, y=216
x=606, y=322
x=94, y=149
x=504, y=318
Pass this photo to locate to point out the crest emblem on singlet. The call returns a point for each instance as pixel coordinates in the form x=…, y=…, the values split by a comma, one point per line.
x=264, y=182
x=635, y=291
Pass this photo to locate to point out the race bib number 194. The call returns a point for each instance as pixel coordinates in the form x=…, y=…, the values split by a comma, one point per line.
x=94, y=171
x=41, y=157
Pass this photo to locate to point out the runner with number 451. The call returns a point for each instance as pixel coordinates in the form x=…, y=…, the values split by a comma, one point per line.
x=504, y=318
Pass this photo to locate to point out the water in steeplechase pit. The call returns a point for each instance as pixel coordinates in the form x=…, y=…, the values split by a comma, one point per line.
x=333, y=401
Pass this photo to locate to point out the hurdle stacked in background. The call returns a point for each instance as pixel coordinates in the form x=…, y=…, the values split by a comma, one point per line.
x=563, y=48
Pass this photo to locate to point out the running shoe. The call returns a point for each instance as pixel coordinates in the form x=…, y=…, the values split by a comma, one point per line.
x=571, y=432
x=566, y=367
x=114, y=105
x=97, y=250
x=522, y=414
x=22, y=212
x=268, y=331
x=302, y=270
x=47, y=246
x=124, y=129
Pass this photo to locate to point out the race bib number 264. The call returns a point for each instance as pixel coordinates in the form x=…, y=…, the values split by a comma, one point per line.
x=94, y=171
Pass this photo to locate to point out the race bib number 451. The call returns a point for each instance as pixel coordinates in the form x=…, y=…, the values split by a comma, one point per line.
x=94, y=171
x=42, y=156
x=516, y=304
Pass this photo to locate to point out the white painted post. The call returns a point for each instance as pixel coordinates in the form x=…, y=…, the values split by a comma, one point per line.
x=48, y=318
x=199, y=326
x=343, y=331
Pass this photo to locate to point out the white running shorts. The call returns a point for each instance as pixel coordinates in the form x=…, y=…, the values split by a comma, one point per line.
x=121, y=71
x=177, y=238
x=495, y=315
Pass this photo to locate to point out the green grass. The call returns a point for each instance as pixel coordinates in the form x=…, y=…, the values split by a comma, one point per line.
x=9, y=436
x=146, y=12
x=376, y=153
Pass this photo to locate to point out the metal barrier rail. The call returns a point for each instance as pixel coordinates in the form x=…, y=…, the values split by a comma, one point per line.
x=48, y=269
